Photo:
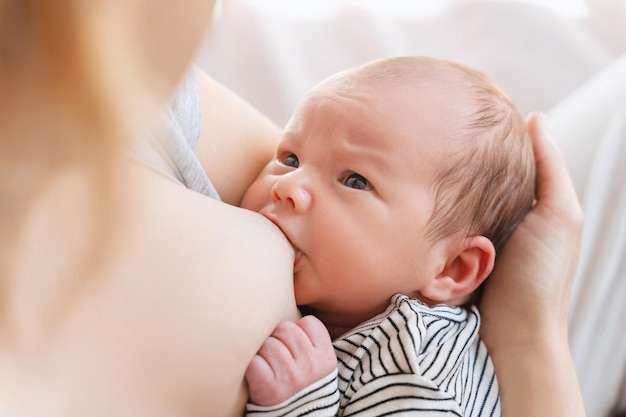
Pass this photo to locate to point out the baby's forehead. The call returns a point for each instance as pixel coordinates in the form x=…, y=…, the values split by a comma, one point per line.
x=421, y=92
x=411, y=81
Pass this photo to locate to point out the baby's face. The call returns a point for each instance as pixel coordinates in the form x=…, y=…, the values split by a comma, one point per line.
x=351, y=188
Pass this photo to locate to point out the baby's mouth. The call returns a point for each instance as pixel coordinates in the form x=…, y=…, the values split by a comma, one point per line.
x=298, y=253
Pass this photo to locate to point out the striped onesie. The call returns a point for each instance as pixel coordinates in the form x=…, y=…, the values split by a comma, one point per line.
x=409, y=360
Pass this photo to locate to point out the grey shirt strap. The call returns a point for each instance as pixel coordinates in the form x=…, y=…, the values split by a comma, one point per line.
x=169, y=148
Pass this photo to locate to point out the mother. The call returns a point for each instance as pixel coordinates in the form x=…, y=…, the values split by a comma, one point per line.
x=127, y=294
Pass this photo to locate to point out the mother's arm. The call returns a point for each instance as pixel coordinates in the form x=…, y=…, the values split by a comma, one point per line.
x=525, y=305
x=236, y=140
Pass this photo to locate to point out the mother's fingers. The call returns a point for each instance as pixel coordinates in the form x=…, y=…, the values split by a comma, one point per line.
x=555, y=190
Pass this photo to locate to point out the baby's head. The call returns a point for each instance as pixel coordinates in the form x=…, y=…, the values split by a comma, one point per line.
x=403, y=175
x=485, y=182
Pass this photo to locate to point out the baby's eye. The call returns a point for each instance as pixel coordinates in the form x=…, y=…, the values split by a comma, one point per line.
x=291, y=160
x=356, y=181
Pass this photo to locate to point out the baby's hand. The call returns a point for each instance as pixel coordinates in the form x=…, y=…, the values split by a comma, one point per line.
x=294, y=356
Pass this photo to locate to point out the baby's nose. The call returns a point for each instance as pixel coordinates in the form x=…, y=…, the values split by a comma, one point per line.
x=294, y=191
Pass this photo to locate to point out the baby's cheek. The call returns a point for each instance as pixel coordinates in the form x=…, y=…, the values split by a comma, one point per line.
x=256, y=196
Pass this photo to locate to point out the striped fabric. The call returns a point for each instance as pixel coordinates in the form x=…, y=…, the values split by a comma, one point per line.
x=410, y=360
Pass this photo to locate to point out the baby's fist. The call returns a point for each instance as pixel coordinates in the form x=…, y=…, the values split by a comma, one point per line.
x=295, y=356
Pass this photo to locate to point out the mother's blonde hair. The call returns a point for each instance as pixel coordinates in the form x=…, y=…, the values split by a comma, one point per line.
x=66, y=100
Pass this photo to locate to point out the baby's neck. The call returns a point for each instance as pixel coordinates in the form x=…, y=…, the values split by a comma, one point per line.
x=336, y=331
x=335, y=327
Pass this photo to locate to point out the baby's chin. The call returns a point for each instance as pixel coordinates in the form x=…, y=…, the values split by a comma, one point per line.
x=304, y=297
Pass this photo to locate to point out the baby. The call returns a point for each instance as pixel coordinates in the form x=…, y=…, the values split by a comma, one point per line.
x=397, y=183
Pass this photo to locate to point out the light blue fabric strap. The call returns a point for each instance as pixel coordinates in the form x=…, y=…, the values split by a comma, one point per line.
x=169, y=149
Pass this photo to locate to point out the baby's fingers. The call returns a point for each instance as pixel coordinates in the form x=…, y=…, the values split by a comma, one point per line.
x=270, y=374
x=259, y=372
x=316, y=331
x=310, y=345
x=294, y=339
x=324, y=352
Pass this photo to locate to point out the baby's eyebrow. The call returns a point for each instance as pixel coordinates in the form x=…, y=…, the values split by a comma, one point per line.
x=289, y=136
x=370, y=156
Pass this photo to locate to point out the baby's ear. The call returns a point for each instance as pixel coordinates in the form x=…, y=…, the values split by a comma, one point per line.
x=468, y=263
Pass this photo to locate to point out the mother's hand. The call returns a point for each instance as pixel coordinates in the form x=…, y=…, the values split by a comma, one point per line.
x=526, y=301
x=533, y=276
